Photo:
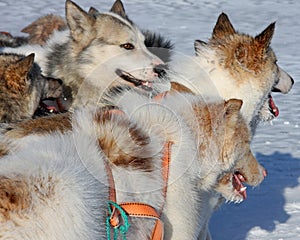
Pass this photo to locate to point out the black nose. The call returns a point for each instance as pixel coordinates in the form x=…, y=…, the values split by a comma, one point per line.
x=161, y=70
x=292, y=80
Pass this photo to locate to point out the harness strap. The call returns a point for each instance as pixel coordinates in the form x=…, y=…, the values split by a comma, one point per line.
x=141, y=210
x=135, y=209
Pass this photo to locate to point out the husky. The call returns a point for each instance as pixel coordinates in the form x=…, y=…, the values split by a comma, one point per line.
x=23, y=87
x=97, y=51
x=236, y=65
x=62, y=173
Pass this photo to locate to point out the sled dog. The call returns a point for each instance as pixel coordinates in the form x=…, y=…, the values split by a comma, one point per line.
x=58, y=186
x=97, y=51
x=22, y=87
x=236, y=65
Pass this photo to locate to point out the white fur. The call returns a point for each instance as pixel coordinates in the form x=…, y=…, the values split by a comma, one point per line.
x=66, y=180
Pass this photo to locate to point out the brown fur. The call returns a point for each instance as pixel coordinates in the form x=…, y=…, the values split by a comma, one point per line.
x=177, y=87
x=41, y=29
x=111, y=143
x=14, y=196
x=222, y=129
x=22, y=87
x=3, y=149
x=243, y=53
x=59, y=122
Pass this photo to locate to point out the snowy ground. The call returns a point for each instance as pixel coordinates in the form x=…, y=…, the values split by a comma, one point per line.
x=272, y=211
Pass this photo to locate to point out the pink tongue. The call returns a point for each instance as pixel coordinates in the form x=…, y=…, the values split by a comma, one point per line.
x=239, y=187
x=273, y=107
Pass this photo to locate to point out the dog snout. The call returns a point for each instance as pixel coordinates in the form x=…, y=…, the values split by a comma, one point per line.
x=161, y=70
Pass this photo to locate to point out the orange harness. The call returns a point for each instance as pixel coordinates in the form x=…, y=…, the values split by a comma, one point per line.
x=135, y=209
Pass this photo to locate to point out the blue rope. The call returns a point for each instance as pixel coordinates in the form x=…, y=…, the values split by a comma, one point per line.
x=123, y=229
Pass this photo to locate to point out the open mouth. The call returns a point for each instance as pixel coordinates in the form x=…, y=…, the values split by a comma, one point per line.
x=272, y=106
x=237, y=182
x=145, y=85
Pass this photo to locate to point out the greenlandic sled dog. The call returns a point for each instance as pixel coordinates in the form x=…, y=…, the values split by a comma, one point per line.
x=23, y=87
x=236, y=65
x=98, y=50
x=54, y=182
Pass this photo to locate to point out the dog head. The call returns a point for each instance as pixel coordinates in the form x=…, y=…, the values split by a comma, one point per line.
x=22, y=87
x=224, y=131
x=110, y=49
x=244, y=67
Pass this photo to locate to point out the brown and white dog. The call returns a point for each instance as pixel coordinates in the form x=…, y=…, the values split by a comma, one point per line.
x=96, y=51
x=54, y=182
x=235, y=65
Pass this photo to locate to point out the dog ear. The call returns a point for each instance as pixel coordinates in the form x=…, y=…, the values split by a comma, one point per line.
x=232, y=109
x=198, y=46
x=119, y=9
x=78, y=21
x=264, y=38
x=24, y=65
x=223, y=27
x=18, y=71
x=94, y=12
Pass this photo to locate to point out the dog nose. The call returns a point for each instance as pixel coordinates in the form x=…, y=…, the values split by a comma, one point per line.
x=161, y=70
x=292, y=80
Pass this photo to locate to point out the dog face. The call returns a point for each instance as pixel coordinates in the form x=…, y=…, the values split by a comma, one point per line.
x=244, y=67
x=110, y=48
x=222, y=130
x=246, y=170
x=22, y=87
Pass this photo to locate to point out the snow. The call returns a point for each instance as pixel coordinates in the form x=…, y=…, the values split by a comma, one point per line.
x=272, y=210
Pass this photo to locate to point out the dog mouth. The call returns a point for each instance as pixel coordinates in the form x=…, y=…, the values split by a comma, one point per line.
x=272, y=106
x=145, y=85
x=237, y=182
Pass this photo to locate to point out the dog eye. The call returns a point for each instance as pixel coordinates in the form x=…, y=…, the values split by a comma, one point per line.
x=127, y=46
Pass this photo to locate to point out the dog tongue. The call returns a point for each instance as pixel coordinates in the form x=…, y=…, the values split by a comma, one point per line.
x=237, y=184
x=274, y=108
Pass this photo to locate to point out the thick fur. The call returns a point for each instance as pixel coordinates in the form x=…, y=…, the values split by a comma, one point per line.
x=41, y=29
x=7, y=40
x=236, y=65
x=22, y=87
x=207, y=138
x=89, y=55
x=207, y=122
x=50, y=192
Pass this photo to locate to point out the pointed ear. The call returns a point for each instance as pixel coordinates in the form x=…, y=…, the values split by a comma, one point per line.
x=264, y=39
x=24, y=65
x=232, y=108
x=223, y=27
x=119, y=9
x=79, y=21
x=93, y=11
x=199, y=45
